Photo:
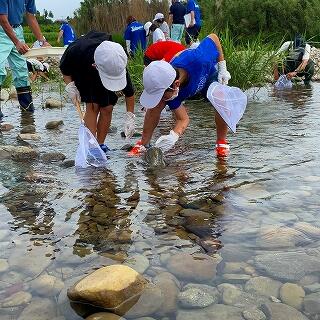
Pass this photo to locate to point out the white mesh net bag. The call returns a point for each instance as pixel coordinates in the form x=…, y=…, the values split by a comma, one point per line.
x=229, y=102
x=283, y=83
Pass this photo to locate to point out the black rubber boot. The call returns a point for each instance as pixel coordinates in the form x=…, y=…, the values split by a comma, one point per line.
x=25, y=99
x=1, y=114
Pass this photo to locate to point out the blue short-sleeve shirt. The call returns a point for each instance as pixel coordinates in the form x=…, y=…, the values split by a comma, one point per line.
x=68, y=34
x=200, y=65
x=136, y=34
x=192, y=5
x=15, y=9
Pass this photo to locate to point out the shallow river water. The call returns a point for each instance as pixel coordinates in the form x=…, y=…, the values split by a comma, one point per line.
x=237, y=239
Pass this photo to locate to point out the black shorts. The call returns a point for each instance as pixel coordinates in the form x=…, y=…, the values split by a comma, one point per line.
x=100, y=95
x=192, y=34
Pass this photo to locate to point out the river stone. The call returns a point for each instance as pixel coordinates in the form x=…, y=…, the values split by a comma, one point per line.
x=274, y=237
x=4, y=95
x=67, y=164
x=194, y=213
x=47, y=285
x=312, y=303
x=28, y=129
x=289, y=266
x=17, y=152
x=25, y=137
x=236, y=277
x=4, y=266
x=213, y=312
x=137, y=262
x=6, y=127
x=235, y=253
x=23, y=260
x=52, y=157
x=253, y=314
x=280, y=311
x=195, y=268
x=308, y=280
x=292, y=295
x=308, y=229
x=198, y=296
x=263, y=286
x=148, y=303
x=39, y=309
x=169, y=286
x=53, y=103
x=315, y=287
x=16, y=299
x=235, y=267
x=104, y=316
x=109, y=287
x=51, y=125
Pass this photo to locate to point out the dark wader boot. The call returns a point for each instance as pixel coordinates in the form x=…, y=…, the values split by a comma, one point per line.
x=25, y=99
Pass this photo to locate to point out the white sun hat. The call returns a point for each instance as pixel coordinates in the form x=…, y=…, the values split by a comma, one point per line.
x=158, y=16
x=147, y=27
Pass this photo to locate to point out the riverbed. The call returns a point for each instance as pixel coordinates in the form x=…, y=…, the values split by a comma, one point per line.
x=253, y=219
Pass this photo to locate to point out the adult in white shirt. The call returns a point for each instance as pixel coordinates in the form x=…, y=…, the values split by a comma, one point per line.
x=297, y=61
x=157, y=33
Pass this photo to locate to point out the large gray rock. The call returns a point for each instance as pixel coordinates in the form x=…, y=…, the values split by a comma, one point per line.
x=198, y=296
x=39, y=309
x=312, y=303
x=289, y=266
x=17, y=153
x=280, y=311
x=195, y=268
x=214, y=312
x=263, y=286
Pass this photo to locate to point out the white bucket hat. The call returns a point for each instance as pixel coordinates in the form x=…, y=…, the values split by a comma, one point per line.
x=111, y=62
x=158, y=16
x=157, y=78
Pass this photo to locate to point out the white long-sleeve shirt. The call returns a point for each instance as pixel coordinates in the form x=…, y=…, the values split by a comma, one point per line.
x=285, y=46
x=158, y=35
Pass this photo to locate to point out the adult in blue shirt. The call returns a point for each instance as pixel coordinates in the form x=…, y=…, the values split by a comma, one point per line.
x=67, y=33
x=135, y=36
x=176, y=19
x=12, y=46
x=193, y=30
x=191, y=72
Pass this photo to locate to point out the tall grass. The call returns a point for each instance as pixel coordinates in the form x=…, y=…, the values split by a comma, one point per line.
x=135, y=68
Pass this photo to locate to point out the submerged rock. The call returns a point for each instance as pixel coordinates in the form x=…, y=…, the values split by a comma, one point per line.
x=154, y=157
x=52, y=157
x=28, y=129
x=25, y=137
x=263, y=286
x=110, y=287
x=16, y=299
x=292, y=295
x=280, y=311
x=104, y=316
x=6, y=127
x=17, y=152
x=312, y=303
x=39, y=309
x=53, y=103
x=51, y=125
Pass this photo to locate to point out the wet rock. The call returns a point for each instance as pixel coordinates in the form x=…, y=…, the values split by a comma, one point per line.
x=236, y=277
x=6, y=127
x=17, y=152
x=312, y=303
x=195, y=213
x=235, y=267
x=26, y=137
x=46, y=285
x=280, y=237
x=28, y=129
x=263, y=286
x=289, y=266
x=149, y=303
x=39, y=309
x=23, y=260
x=67, y=164
x=169, y=286
x=253, y=314
x=53, y=104
x=154, y=157
x=110, y=287
x=4, y=266
x=17, y=299
x=51, y=125
x=52, y=157
x=315, y=287
x=235, y=253
x=198, y=296
x=104, y=316
x=138, y=262
x=280, y=311
x=213, y=312
x=195, y=268
x=292, y=295
x=4, y=95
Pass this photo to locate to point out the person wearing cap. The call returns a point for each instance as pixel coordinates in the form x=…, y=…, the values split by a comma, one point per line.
x=189, y=73
x=13, y=46
x=66, y=33
x=176, y=20
x=94, y=70
x=160, y=22
x=193, y=29
x=135, y=36
x=157, y=33
x=162, y=50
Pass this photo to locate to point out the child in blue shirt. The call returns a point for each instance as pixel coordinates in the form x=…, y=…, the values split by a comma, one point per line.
x=191, y=72
x=135, y=36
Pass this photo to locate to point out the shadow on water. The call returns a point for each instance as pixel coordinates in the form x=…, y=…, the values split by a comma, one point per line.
x=235, y=225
